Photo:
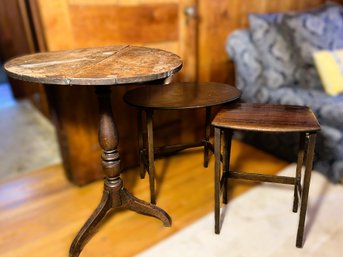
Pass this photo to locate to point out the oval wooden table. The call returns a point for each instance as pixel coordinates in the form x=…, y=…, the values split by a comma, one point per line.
x=101, y=67
x=175, y=96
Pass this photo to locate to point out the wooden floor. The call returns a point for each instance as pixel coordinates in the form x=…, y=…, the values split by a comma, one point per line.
x=41, y=212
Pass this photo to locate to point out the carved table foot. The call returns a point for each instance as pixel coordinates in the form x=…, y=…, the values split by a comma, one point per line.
x=115, y=197
x=131, y=202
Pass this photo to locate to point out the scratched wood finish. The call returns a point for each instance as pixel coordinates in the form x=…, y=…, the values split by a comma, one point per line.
x=95, y=66
x=73, y=137
x=101, y=66
x=68, y=24
x=54, y=27
x=185, y=95
x=268, y=118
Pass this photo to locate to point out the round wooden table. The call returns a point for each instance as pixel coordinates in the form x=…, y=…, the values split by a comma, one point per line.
x=176, y=96
x=101, y=67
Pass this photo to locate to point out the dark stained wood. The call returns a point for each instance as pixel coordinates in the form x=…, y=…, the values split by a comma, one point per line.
x=268, y=118
x=311, y=142
x=260, y=177
x=95, y=66
x=179, y=96
x=115, y=196
x=206, y=140
x=217, y=176
x=13, y=28
x=151, y=154
x=226, y=161
x=300, y=162
x=176, y=96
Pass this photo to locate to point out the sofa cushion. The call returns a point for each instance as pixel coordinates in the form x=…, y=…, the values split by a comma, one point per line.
x=274, y=44
x=312, y=31
x=249, y=69
x=329, y=64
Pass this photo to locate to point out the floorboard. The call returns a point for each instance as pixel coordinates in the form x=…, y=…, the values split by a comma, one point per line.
x=41, y=212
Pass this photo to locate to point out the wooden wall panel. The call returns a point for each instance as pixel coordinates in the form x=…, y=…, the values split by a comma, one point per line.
x=157, y=23
x=219, y=18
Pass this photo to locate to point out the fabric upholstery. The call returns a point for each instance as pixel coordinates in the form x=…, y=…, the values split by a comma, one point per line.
x=272, y=42
x=315, y=30
x=328, y=109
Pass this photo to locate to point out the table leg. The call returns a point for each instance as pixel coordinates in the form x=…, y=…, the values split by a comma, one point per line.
x=300, y=162
x=226, y=162
x=141, y=155
x=217, y=172
x=311, y=139
x=207, y=136
x=115, y=196
x=151, y=153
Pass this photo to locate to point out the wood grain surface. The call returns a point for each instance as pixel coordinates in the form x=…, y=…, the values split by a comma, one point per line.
x=40, y=212
x=157, y=23
x=267, y=117
x=188, y=95
x=122, y=64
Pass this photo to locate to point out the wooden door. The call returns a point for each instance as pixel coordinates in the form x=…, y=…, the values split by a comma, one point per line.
x=68, y=24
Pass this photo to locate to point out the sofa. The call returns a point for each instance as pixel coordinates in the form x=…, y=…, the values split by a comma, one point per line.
x=274, y=64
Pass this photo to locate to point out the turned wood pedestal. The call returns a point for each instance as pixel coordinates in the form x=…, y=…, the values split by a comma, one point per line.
x=101, y=68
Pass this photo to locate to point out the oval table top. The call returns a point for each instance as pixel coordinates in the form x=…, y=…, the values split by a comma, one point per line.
x=186, y=95
x=110, y=65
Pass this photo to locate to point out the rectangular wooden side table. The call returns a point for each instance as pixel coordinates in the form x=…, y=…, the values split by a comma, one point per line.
x=266, y=118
